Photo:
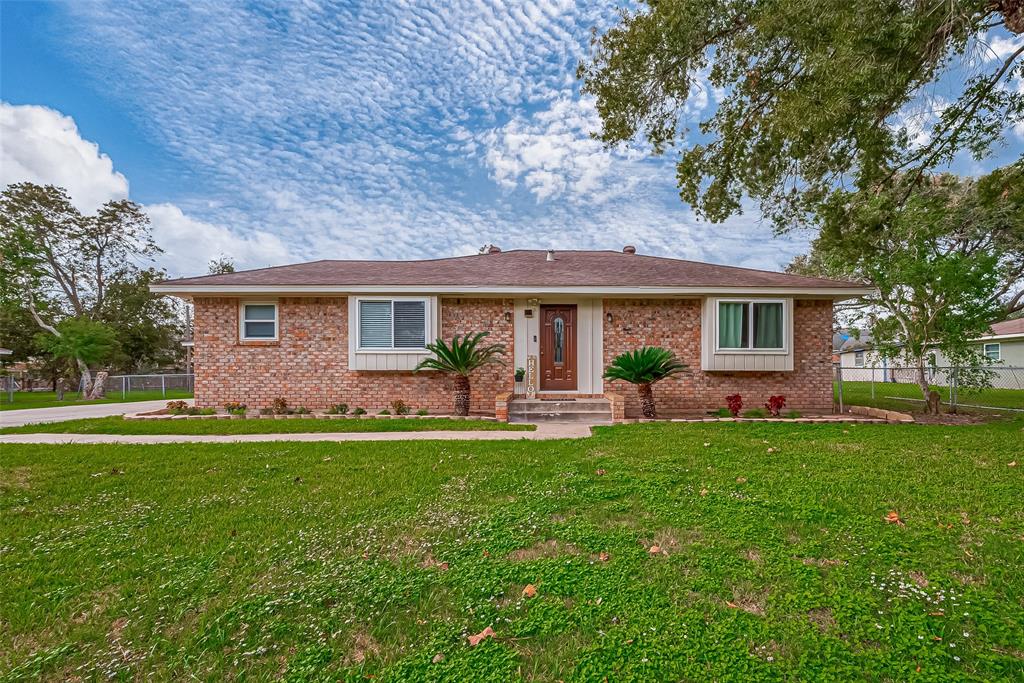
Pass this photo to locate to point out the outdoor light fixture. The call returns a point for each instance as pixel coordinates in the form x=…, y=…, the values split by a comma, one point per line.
x=508, y=317
x=608, y=317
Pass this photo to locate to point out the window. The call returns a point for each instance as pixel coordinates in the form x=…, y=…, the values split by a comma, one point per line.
x=858, y=359
x=259, y=321
x=991, y=351
x=751, y=325
x=392, y=323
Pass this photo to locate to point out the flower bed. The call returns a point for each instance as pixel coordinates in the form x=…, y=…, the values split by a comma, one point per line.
x=165, y=414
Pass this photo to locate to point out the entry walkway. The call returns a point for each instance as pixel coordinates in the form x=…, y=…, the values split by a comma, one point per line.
x=544, y=432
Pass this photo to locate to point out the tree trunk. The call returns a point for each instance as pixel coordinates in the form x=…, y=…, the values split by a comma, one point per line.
x=86, y=383
x=99, y=387
x=461, y=395
x=922, y=382
x=646, y=400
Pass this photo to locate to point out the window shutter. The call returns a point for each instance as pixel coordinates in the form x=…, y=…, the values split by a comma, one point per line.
x=410, y=325
x=375, y=324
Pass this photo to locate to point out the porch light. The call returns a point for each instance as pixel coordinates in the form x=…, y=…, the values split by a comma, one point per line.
x=508, y=317
x=608, y=317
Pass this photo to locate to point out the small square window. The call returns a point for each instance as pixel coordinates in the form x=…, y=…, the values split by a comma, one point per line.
x=992, y=351
x=259, y=322
x=858, y=359
x=756, y=325
x=393, y=324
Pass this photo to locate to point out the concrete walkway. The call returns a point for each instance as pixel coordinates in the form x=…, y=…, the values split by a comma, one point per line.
x=76, y=411
x=545, y=431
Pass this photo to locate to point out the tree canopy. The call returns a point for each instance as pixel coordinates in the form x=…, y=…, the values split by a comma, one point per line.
x=812, y=93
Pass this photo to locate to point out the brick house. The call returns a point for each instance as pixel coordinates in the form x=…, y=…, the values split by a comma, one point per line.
x=329, y=332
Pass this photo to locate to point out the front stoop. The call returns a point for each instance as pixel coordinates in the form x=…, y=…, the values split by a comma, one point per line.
x=583, y=410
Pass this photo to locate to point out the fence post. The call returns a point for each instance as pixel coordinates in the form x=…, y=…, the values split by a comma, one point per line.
x=872, y=382
x=839, y=381
x=163, y=385
x=954, y=389
x=124, y=394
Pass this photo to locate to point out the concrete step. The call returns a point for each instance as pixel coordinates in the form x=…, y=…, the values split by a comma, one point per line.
x=598, y=405
x=583, y=418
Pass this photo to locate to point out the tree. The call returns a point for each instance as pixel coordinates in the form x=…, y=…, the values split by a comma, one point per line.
x=812, y=93
x=60, y=264
x=947, y=261
x=221, y=265
x=644, y=367
x=81, y=339
x=460, y=359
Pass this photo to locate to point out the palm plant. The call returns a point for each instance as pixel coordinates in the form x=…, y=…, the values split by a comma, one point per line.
x=644, y=367
x=459, y=359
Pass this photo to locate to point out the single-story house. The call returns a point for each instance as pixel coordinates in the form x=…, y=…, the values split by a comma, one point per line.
x=330, y=332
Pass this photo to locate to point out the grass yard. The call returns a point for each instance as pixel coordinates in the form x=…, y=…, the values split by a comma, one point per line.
x=48, y=399
x=891, y=396
x=324, y=562
x=119, y=425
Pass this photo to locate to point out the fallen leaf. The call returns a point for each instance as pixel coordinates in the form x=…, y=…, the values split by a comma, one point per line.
x=940, y=613
x=438, y=658
x=894, y=518
x=1012, y=463
x=479, y=637
x=706, y=444
x=604, y=556
x=732, y=604
x=703, y=492
x=443, y=566
x=741, y=480
x=599, y=473
x=654, y=550
x=771, y=450
x=530, y=591
x=487, y=553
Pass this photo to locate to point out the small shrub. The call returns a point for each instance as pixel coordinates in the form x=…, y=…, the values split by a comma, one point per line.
x=422, y=411
x=384, y=412
x=359, y=411
x=302, y=410
x=177, y=407
x=399, y=407
x=203, y=411
x=755, y=412
x=266, y=411
x=279, y=406
x=735, y=404
x=235, y=408
x=793, y=414
x=338, y=409
x=723, y=412
x=775, y=404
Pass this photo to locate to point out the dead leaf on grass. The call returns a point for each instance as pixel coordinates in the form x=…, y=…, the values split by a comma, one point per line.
x=478, y=638
x=530, y=591
x=893, y=517
x=600, y=473
x=438, y=658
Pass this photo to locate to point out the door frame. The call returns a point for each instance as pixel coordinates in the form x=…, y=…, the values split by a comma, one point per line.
x=571, y=349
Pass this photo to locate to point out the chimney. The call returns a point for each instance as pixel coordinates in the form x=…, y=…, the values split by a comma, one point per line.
x=629, y=249
x=494, y=249
x=551, y=255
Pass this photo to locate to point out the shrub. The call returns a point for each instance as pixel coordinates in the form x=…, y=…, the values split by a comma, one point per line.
x=339, y=409
x=177, y=407
x=775, y=404
x=755, y=412
x=723, y=412
x=235, y=408
x=279, y=406
x=384, y=412
x=203, y=411
x=793, y=414
x=302, y=410
x=266, y=411
x=422, y=411
x=735, y=404
x=399, y=407
x=359, y=411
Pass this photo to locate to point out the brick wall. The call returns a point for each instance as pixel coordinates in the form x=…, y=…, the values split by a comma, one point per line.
x=676, y=325
x=308, y=365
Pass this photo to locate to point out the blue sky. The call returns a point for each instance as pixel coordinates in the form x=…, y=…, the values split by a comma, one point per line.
x=279, y=132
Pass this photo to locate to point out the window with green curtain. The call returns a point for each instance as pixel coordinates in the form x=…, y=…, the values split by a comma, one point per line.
x=767, y=325
x=732, y=325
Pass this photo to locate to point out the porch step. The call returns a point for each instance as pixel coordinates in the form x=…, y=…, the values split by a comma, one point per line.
x=591, y=410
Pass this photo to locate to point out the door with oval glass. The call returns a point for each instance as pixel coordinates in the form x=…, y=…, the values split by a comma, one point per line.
x=558, y=347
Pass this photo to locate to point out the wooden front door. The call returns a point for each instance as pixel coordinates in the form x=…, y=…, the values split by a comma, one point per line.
x=558, y=348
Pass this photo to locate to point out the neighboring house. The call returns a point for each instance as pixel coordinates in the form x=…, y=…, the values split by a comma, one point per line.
x=351, y=332
x=1003, y=345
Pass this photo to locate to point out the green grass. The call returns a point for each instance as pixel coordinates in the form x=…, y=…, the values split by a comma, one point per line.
x=48, y=399
x=891, y=396
x=119, y=425
x=322, y=561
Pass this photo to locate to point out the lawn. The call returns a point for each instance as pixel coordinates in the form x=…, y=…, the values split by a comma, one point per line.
x=48, y=399
x=893, y=396
x=119, y=425
x=327, y=561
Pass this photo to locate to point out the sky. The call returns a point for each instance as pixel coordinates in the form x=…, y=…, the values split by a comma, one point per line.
x=281, y=132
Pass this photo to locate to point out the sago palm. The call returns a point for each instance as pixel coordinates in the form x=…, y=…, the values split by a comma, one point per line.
x=459, y=359
x=644, y=367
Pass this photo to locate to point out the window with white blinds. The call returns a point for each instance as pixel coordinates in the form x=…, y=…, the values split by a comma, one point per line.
x=392, y=324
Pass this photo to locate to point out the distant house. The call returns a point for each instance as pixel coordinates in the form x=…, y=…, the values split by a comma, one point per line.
x=328, y=332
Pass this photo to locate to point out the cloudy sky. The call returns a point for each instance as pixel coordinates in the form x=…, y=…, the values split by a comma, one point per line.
x=280, y=132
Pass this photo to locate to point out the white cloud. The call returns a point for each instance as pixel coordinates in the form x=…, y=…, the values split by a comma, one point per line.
x=43, y=146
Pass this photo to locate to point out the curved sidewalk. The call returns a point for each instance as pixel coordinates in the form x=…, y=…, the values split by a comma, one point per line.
x=545, y=431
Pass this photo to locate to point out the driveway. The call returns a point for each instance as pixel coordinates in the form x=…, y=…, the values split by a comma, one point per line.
x=15, y=418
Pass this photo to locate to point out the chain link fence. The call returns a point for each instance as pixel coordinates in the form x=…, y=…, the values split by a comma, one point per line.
x=159, y=386
x=983, y=387
x=123, y=387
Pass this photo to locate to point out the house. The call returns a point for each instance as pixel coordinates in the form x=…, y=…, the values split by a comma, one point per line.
x=352, y=332
x=1003, y=346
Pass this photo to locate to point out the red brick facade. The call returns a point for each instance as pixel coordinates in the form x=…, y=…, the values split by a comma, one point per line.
x=308, y=365
x=676, y=324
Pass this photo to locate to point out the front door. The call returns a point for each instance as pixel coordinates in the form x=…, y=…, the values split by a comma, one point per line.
x=558, y=348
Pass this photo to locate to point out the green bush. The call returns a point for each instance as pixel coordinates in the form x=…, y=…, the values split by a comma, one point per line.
x=793, y=414
x=359, y=411
x=338, y=409
x=302, y=410
x=422, y=411
x=755, y=412
x=384, y=412
x=399, y=407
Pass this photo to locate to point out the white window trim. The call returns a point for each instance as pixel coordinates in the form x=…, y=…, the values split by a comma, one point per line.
x=428, y=331
x=784, y=349
x=999, y=351
x=242, y=321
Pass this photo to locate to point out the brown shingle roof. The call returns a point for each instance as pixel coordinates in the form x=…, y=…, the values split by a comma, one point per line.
x=1009, y=327
x=518, y=268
